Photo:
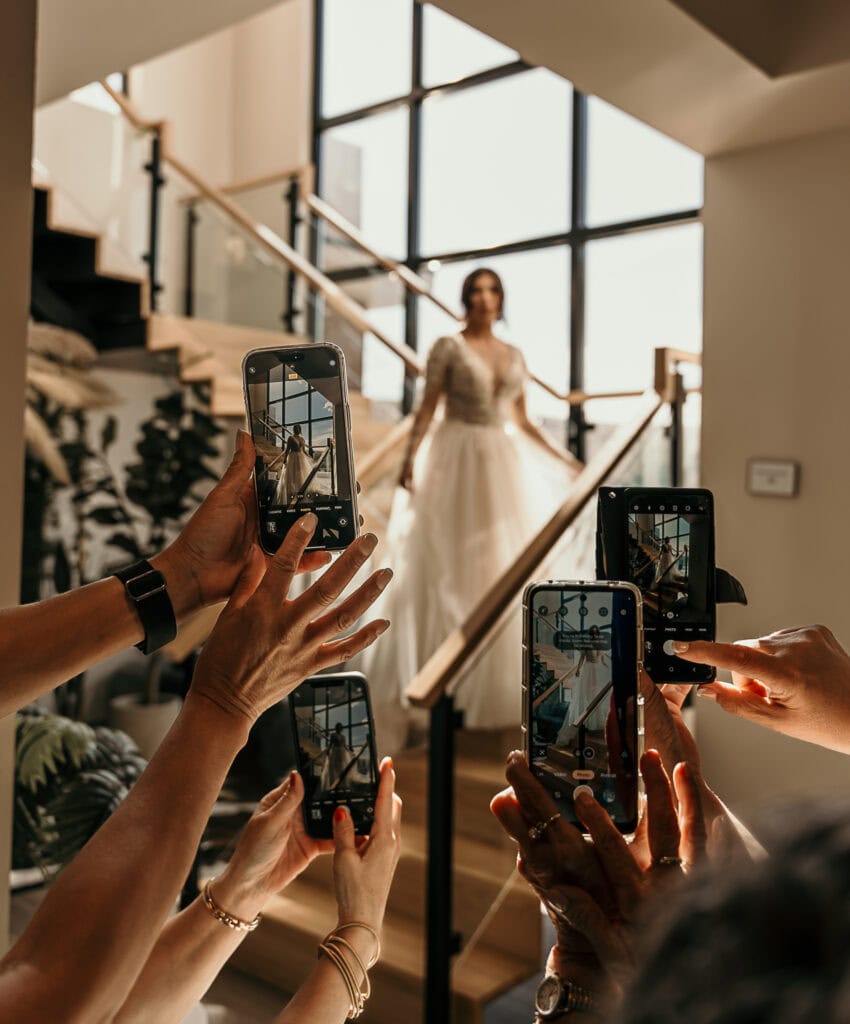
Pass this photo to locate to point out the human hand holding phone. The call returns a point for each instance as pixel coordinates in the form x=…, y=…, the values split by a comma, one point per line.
x=795, y=681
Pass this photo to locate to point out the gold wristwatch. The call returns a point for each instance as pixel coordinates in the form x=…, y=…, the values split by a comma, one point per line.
x=556, y=996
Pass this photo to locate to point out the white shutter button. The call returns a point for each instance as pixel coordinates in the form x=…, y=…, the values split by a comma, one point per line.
x=668, y=648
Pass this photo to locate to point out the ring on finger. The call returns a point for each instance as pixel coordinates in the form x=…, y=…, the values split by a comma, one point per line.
x=668, y=862
x=537, y=830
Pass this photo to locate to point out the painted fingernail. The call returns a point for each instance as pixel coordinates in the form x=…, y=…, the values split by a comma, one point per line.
x=583, y=800
x=308, y=523
x=706, y=694
x=680, y=646
x=384, y=577
x=515, y=757
x=339, y=814
x=293, y=775
x=383, y=626
x=370, y=541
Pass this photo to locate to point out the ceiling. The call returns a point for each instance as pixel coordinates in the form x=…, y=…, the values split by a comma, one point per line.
x=718, y=75
x=81, y=41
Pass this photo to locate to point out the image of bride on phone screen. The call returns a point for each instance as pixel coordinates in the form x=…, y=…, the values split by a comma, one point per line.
x=479, y=480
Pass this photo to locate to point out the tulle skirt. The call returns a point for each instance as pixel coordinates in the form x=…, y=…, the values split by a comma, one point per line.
x=480, y=494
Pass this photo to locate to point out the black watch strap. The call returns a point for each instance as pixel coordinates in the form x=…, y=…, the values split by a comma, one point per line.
x=145, y=587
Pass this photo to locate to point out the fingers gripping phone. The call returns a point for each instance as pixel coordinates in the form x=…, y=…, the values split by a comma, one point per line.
x=335, y=750
x=582, y=709
x=297, y=404
x=662, y=540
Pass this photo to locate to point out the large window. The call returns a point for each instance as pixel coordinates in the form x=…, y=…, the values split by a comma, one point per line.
x=449, y=153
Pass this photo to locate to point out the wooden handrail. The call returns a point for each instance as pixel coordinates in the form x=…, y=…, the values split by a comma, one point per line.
x=443, y=667
x=408, y=277
x=267, y=239
x=303, y=172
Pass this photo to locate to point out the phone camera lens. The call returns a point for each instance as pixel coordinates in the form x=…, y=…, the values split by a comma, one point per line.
x=252, y=369
x=333, y=362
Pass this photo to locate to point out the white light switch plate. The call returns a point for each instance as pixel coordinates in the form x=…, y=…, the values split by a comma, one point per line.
x=773, y=478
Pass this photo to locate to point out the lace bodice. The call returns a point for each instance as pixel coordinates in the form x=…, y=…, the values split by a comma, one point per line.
x=472, y=393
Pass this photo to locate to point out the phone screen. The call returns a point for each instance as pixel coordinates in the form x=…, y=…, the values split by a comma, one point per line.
x=298, y=416
x=671, y=560
x=336, y=751
x=582, y=695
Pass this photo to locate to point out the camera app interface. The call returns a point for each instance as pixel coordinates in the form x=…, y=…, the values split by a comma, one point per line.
x=583, y=650
x=335, y=750
x=298, y=426
x=669, y=556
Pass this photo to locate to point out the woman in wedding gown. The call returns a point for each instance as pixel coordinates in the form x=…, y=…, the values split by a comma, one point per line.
x=297, y=466
x=665, y=563
x=474, y=494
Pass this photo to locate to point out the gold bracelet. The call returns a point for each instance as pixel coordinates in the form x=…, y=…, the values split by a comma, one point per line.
x=236, y=923
x=356, y=999
x=334, y=947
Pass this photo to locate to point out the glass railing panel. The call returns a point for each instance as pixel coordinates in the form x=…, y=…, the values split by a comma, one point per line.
x=107, y=194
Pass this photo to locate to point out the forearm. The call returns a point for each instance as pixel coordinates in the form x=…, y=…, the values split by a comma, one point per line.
x=584, y=970
x=96, y=928
x=323, y=998
x=543, y=439
x=188, y=955
x=45, y=644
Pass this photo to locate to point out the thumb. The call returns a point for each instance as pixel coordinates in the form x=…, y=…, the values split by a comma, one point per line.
x=241, y=465
x=249, y=579
x=343, y=830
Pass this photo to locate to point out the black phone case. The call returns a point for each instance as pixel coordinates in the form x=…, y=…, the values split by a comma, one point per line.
x=612, y=564
x=362, y=822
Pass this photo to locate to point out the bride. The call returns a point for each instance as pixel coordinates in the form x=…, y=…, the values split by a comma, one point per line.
x=475, y=492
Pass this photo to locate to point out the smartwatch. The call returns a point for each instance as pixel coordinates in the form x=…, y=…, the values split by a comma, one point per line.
x=145, y=587
x=556, y=996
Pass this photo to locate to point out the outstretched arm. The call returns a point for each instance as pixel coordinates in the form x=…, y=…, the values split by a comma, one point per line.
x=90, y=938
x=43, y=645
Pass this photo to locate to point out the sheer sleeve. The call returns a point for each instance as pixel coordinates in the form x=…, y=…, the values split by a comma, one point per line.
x=439, y=362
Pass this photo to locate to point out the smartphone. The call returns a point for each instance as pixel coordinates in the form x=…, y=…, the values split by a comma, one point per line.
x=297, y=405
x=582, y=709
x=662, y=540
x=335, y=750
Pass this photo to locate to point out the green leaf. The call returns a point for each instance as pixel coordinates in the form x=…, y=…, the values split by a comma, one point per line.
x=45, y=743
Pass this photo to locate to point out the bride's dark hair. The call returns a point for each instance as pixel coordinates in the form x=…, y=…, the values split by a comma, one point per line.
x=469, y=283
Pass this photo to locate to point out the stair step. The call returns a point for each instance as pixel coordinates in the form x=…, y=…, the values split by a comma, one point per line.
x=477, y=780
x=480, y=872
x=283, y=951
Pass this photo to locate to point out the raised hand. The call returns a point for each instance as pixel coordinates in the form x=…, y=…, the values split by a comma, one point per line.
x=264, y=644
x=221, y=537
x=796, y=681
x=274, y=848
x=364, y=868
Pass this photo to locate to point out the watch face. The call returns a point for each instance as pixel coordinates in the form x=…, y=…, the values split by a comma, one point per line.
x=548, y=995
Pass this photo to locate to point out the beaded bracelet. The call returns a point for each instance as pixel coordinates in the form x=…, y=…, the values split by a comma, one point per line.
x=221, y=915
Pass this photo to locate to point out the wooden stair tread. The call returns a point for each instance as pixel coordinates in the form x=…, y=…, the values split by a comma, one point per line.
x=312, y=912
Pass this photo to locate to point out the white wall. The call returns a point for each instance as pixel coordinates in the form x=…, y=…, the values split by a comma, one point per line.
x=17, y=58
x=777, y=366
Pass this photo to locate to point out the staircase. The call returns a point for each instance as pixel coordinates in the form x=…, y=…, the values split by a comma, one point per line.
x=283, y=949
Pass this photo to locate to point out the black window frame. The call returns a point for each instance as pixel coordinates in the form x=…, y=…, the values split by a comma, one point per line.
x=576, y=238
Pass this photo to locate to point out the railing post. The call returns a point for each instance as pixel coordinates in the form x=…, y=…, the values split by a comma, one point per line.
x=677, y=402
x=189, y=264
x=151, y=257
x=442, y=942
x=290, y=311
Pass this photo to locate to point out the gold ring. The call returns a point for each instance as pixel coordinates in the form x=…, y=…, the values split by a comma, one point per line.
x=536, y=831
x=669, y=862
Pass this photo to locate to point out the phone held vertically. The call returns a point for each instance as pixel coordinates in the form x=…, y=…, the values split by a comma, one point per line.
x=297, y=404
x=582, y=709
x=662, y=540
x=335, y=749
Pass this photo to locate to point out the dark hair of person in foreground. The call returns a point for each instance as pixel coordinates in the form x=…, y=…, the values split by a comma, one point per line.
x=764, y=941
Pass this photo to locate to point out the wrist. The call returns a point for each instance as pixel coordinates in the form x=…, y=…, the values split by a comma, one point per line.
x=585, y=971
x=361, y=939
x=215, y=723
x=238, y=895
x=181, y=582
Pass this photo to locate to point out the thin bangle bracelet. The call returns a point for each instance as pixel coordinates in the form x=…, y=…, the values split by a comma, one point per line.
x=222, y=916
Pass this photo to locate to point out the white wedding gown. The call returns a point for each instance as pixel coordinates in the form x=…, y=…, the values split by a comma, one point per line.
x=482, y=489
